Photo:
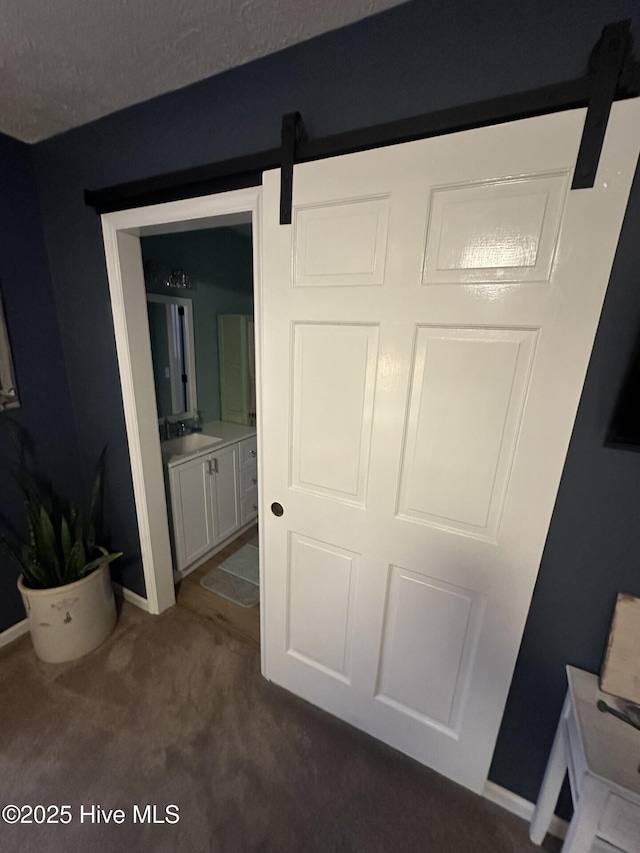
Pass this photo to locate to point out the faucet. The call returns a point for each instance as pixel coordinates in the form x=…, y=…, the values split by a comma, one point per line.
x=170, y=429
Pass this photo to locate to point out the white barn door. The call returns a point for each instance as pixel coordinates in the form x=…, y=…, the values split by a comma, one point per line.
x=427, y=321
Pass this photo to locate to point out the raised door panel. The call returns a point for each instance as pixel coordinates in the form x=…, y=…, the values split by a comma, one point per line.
x=341, y=244
x=494, y=231
x=334, y=374
x=192, y=519
x=226, y=500
x=430, y=634
x=321, y=589
x=467, y=397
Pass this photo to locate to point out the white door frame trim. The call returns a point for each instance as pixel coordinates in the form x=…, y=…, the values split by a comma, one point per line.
x=121, y=233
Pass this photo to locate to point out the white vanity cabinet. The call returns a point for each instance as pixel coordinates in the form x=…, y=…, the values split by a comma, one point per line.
x=248, y=480
x=224, y=490
x=205, y=502
x=214, y=494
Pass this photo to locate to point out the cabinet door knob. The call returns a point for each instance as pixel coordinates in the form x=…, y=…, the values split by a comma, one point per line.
x=277, y=510
x=252, y=453
x=254, y=481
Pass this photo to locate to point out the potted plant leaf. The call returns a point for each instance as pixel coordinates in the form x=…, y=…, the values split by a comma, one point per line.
x=65, y=582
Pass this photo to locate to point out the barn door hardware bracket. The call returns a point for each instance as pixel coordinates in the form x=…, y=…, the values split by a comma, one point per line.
x=610, y=57
x=613, y=75
x=293, y=133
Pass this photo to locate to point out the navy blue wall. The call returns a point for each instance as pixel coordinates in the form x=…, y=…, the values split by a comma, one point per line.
x=37, y=353
x=418, y=57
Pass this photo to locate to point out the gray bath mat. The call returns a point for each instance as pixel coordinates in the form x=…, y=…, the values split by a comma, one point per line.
x=243, y=593
x=244, y=564
x=237, y=579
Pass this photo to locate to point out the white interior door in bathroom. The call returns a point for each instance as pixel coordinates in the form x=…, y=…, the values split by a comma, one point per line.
x=427, y=321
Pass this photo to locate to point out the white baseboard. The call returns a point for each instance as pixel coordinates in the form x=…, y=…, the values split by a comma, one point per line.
x=520, y=807
x=15, y=631
x=130, y=596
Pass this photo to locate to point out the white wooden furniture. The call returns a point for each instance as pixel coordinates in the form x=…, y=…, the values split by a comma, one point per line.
x=602, y=757
x=214, y=494
x=237, y=368
x=620, y=672
x=248, y=463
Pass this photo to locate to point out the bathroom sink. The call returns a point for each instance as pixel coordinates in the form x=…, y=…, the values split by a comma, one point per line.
x=186, y=445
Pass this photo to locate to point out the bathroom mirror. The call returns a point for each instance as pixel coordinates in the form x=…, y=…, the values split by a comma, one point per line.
x=217, y=263
x=8, y=390
x=173, y=354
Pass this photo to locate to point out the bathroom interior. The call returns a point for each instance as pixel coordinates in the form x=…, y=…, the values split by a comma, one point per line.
x=199, y=287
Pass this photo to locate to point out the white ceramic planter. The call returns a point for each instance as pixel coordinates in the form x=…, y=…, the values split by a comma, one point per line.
x=69, y=621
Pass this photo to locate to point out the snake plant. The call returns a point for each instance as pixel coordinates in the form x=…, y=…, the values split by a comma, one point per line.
x=61, y=545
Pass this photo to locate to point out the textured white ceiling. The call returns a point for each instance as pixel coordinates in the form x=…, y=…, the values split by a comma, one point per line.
x=66, y=62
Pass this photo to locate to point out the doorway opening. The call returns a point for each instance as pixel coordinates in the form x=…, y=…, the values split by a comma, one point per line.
x=184, y=281
x=199, y=287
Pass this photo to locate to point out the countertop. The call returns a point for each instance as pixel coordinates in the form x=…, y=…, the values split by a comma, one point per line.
x=221, y=433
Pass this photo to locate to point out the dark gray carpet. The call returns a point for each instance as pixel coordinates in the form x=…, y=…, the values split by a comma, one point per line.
x=171, y=711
